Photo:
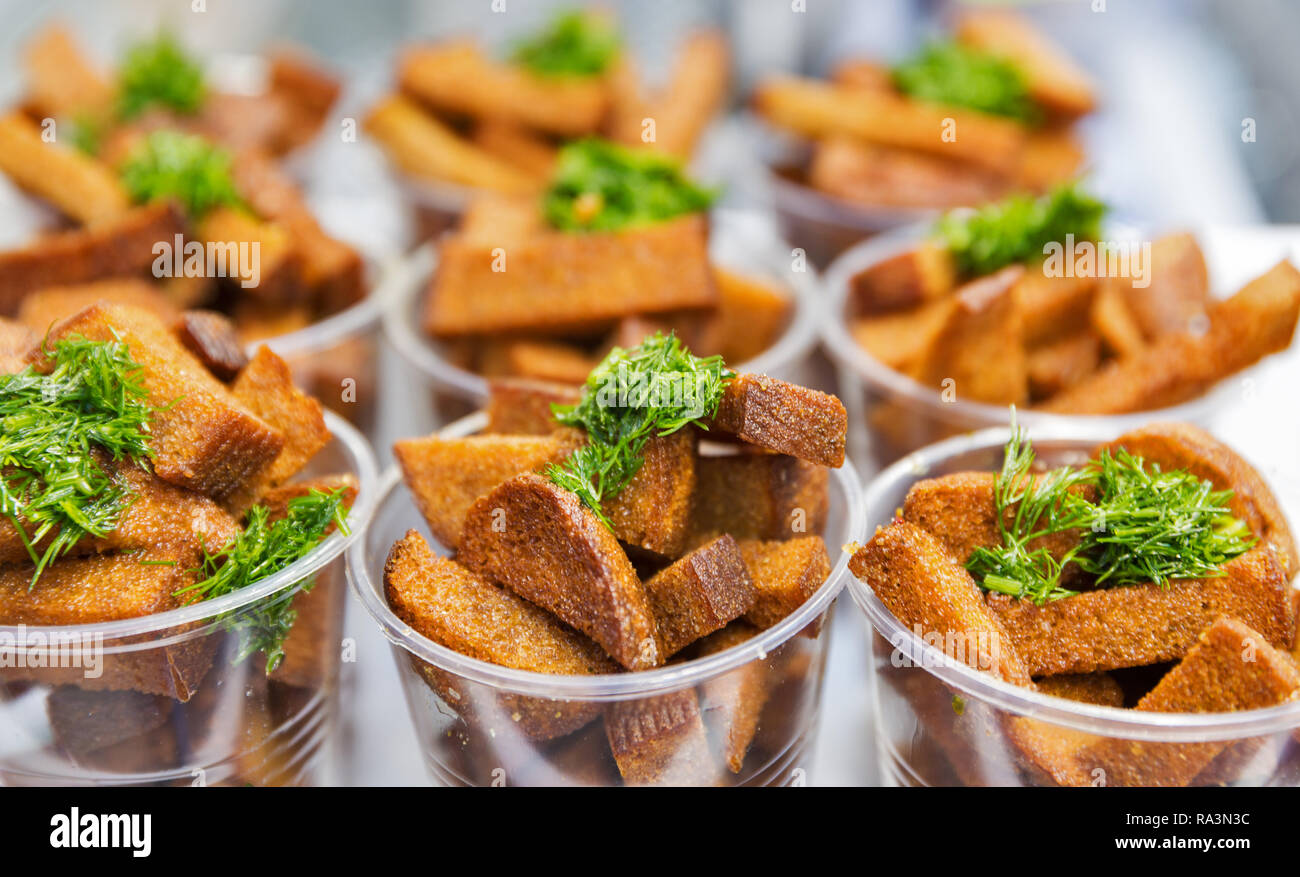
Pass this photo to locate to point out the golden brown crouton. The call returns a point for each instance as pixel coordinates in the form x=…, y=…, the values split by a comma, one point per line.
x=733, y=702
x=907, y=280
x=203, y=437
x=1230, y=668
x=654, y=510
x=212, y=338
x=277, y=499
x=536, y=359
x=1183, y=446
x=751, y=313
x=276, y=277
x=757, y=496
x=265, y=387
x=43, y=307
x=81, y=187
x=84, y=723
x=518, y=146
x=661, y=741
x=898, y=339
x=1052, y=77
x=123, y=245
x=1100, y=689
x=61, y=81
x=447, y=475
x=462, y=611
x=16, y=342
x=1063, y=363
x=523, y=407
x=556, y=282
x=1052, y=306
x=785, y=418
x=933, y=595
x=785, y=575
x=1179, y=287
x=1113, y=321
x=699, y=593
x=1137, y=625
x=978, y=352
x=539, y=541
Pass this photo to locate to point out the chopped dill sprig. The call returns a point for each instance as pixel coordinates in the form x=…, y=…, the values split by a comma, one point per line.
x=1137, y=524
x=956, y=75
x=185, y=168
x=159, y=73
x=634, y=395
x=575, y=43
x=56, y=429
x=263, y=548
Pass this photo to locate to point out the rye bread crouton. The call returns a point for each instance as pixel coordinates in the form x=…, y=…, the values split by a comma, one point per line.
x=204, y=438
x=699, y=594
x=758, y=496
x=661, y=741
x=519, y=406
x=785, y=573
x=785, y=418
x=733, y=702
x=654, y=510
x=1099, y=689
x=213, y=338
x=447, y=475
x=16, y=341
x=43, y=307
x=539, y=541
x=911, y=278
x=558, y=282
x=465, y=612
x=1136, y=625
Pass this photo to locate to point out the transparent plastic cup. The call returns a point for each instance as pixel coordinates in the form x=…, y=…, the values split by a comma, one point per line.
x=163, y=700
x=480, y=724
x=941, y=722
x=891, y=415
x=736, y=242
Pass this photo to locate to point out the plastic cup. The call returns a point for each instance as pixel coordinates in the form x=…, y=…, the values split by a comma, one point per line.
x=941, y=722
x=891, y=415
x=736, y=242
x=480, y=724
x=163, y=700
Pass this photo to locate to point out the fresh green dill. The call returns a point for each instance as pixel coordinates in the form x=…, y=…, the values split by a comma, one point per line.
x=56, y=430
x=182, y=167
x=159, y=73
x=575, y=43
x=1136, y=524
x=634, y=395
x=602, y=186
x=263, y=548
x=953, y=74
x=87, y=133
x=1017, y=229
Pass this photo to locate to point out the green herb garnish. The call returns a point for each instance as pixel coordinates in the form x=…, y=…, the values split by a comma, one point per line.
x=953, y=74
x=601, y=186
x=55, y=429
x=1017, y=229
x=574, y=44
x=182, y=167
x=159, y=73
x=87, y=134
x=1137, y=524
x=263, y=548
x=634, y=395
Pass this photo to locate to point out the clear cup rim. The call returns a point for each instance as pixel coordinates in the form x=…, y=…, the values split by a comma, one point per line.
x=616, y=686
x=772, y=255
x=1090, y=718
x=852, y=357
x=363, y=465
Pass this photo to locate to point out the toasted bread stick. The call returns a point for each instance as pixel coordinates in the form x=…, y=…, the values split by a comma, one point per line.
x=978, y=352
x=752, y=314
x=203, y=437
x=899, y=339
x=757, y=496
x=1183, y=446
x=124, y=245
x=911, y=278
x=540, y=360
x=1112, y=319
x=520, y=406
x=818, y=109
x=784, y=418
x=518, y=146
x=683, y=108
x=1052, y=307
x=275, y=274
x=81, y=187
x=1061, y=364
x=1179, y=288
x=557, y=281
x=213, y=338
x=1054, y=80
x=699, y=593
x=1260, y=319
x=448, y=475
x=661, y=741
x=888, y=176
x=1230, y=668
x=1052, y=156
x=61, y=82
x=785, y=575
x=462, y=611
x=733, y=702
x=539, y=541
x=459, y=78
x=502, y=220
x=424, y=147
x=1146, y=624
x=44, y=307
x=932, y=594
x=265, y=387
